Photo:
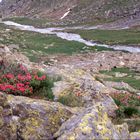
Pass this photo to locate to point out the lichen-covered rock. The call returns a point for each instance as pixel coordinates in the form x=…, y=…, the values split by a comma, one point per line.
x=135, y=136
x=109, y=105
x=91, y=90
x=92, y=123
x=30, y=119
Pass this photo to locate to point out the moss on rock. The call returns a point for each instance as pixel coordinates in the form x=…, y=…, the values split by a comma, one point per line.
x=26, y=118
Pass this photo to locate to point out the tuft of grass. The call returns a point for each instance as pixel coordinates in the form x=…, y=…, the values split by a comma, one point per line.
x=71, y=100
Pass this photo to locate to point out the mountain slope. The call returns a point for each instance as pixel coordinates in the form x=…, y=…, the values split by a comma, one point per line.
x=106, y=10
x=35, y=8
x=78, y=11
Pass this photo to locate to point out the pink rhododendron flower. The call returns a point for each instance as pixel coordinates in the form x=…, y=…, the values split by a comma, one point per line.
x=9, y=76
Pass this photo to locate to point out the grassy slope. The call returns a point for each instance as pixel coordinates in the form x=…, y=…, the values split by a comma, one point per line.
x=130, y=78
x=35, y=45
x=125, y=37
x=30, y=21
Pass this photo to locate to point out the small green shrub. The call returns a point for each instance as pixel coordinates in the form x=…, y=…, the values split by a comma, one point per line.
x=118, y=103
x=127, y=104
x=129, y=111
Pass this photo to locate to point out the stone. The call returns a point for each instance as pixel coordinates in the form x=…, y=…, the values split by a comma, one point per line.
x=6, y=49
x=109, y=105
x=135, y=136
x=26, y=118
x=92, y=123
x=2, y=50
x=13, y=47
x=138, y=94
x=118, y=74
x=79, y=80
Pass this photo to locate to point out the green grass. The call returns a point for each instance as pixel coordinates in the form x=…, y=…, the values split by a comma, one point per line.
x=29, y=21
x=134, y=126
x=131, y=81
x=130, y=78
x=130, y=111
x=120, y=70
x=40, y=22
x=112, y=37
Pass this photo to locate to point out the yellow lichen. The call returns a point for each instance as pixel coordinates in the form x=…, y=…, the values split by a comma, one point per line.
x=71, y=138
x=84, y=122
x=13, y=126
x=31, y=125
x=105, y=138
x=1, y=122
x=54, y=119
x=1, y=110
x=86, y=130
x=102, y=129
x=33, y=112
x=101, y=124
x=79, y=72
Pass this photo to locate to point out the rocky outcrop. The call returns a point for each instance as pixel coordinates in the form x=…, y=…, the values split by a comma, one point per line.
x=94, y=62
x=11, y=54
x=93, y=123
x=24, y=118
x=80, y=74
x=30, y=119
x=89, y=90
x=135, y=136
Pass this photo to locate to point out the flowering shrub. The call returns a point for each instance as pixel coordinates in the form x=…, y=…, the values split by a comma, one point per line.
x=126, y=99
x=127, y=104
x=18, y=80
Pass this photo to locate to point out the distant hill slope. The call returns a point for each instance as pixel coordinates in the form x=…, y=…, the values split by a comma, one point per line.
x=78, y=11
x=35, y=8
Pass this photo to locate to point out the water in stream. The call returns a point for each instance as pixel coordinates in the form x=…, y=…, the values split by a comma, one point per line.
x=69, y=36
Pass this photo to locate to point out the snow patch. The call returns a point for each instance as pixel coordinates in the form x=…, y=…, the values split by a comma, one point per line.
x=65, y=14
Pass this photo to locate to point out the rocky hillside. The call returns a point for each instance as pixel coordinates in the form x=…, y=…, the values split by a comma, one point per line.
x=72, y=82
x=73, y=10
x=36, y=8
x=82, y=107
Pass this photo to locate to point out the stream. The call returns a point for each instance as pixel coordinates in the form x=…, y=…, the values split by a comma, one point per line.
x=70, y=36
